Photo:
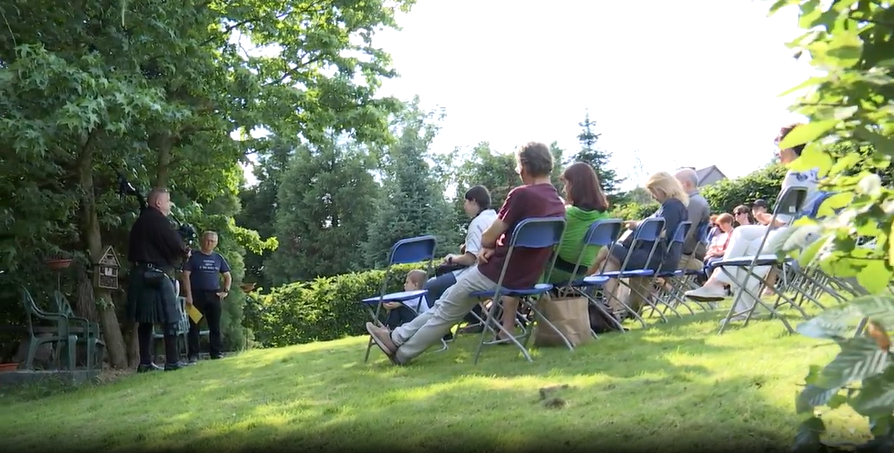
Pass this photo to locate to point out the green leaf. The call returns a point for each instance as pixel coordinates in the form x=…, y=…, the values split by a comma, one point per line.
x=808, y=438
x=833, y=203
x=876, y=396
x=878, y=307
x=822, y=328
x=807, y=133
x=875, y=276
x=860, y=358
x=812, y=157
x=813, y=396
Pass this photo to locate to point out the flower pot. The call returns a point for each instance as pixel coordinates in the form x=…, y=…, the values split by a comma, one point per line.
x=8, y=367
x=57, y=264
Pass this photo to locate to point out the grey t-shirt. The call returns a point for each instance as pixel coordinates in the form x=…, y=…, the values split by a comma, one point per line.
x=699, y=212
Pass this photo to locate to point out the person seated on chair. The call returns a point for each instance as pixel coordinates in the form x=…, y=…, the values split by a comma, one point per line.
x=537, y=198
x=742, y=215
x=585, y=205
x=477, y=207
x=400, y=313
x=665, y=189
x=746, y=239
x=699, y=214
x=720, y=240
x=760, y=211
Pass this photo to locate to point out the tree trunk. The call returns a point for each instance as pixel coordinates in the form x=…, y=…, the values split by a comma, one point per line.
x=85, y=305
x=163, y=143
x=92, y=236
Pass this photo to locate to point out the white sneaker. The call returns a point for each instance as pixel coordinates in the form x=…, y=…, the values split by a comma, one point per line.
x=706, y=294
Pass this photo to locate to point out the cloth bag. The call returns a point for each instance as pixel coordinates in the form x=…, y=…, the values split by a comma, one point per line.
x=569, y=313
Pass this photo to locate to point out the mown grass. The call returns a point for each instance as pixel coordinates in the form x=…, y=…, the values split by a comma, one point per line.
x=674, y=387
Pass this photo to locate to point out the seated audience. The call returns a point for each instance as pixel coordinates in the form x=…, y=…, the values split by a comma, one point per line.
x=535, y=199
x=665, y=189
x=742, y=215
x=745, y=240
x=699, y=214
x=759, y=211
x=718, y=243
x=713, y=229
x=585, y=205
x=400, y=313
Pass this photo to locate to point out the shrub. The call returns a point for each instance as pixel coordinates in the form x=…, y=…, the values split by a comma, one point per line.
x=633, y=211
x=765, y=183
x=322, y=309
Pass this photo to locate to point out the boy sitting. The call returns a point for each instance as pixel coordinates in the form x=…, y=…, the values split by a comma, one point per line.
x=403, y=312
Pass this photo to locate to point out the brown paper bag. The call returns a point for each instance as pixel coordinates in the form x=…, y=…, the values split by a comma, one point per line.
x=569, y=315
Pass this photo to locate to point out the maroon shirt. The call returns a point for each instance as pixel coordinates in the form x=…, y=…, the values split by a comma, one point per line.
x=526, y=265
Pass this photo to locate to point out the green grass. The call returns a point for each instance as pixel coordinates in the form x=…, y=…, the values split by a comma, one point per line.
x=674, y=387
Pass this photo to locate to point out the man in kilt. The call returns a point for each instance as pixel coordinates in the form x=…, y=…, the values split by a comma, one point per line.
x=154, y=248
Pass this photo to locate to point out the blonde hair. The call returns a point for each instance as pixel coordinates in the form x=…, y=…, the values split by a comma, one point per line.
x=725, y=218
x=667, y=184
x=417, y=277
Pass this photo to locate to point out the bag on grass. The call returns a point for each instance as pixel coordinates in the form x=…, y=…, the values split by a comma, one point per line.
x=569, y=314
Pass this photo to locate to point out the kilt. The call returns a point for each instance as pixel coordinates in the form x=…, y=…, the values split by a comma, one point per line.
x=151, y=304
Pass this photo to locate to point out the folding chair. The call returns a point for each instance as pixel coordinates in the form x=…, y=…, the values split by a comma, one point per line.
x=648, y=230
x=789, y=203
x=404, y=251
x=533, y=233
x=602, y=233
x=671, y=294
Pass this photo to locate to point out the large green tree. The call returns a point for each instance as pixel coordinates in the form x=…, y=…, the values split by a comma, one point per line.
x=599, y=158
x=325, y=202
x=413, y=202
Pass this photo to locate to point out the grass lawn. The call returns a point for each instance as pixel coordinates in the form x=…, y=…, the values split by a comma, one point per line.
x=675, y=387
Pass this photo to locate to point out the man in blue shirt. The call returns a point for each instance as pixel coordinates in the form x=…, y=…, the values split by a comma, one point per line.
x=202, y=289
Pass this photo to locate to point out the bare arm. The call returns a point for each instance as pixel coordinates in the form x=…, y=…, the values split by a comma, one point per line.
x=227, y=281
x=490, y=236
x=184, y=284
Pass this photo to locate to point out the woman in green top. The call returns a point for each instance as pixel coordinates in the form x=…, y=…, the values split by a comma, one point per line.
x=585, y=204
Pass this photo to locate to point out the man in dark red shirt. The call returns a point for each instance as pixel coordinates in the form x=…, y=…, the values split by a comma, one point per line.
x=536, y=198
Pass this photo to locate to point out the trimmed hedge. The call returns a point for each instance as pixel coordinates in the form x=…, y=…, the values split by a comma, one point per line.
x=319, y=310
x=765, y=183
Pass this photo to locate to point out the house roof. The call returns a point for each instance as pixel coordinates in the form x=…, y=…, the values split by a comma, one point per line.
x=703, y=174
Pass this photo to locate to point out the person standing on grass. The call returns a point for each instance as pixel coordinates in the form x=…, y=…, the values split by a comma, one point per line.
x=537, y=198
x=154, y=248
x=201, y=281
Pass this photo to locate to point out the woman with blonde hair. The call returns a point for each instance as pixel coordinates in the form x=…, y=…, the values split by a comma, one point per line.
x=666, y=190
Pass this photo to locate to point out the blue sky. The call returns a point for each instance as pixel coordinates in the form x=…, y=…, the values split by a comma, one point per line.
x=676, y=83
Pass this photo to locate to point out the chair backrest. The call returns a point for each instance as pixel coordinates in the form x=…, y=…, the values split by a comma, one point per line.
x=790, y=203
x=413, y=250
x=602, y=233
x=676, y=243
x=648, y=230
x=535, y=233
x=681, y=233
x=813, y=212
x=704, y=229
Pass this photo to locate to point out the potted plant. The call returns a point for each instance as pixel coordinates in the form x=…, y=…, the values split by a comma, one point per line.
x=58, y=263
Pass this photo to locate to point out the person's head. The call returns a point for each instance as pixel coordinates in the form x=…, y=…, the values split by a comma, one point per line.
x=477, y=200
x=725, y=222
x=159, y=199
x=415, y=280
x=535, y=161
x=209, y=241
x=759, y=207
x=688, y=179
x=663, y=187
x=741, y=214
x=712, y=221
x=582, y=188
x=788, y=155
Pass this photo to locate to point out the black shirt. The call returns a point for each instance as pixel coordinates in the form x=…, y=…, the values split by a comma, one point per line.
x=154, y=241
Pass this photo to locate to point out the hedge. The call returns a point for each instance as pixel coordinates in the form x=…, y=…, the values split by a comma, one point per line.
x=765, y=183
x=323, y=309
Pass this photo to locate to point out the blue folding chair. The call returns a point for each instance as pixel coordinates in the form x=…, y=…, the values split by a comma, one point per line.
x=670, y=295
x=602, y=233
x=647, y=232
x=533, y=233
x=404, y=251
x=790, y=203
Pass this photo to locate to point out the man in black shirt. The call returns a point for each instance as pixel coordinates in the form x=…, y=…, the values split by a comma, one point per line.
x=154, y=247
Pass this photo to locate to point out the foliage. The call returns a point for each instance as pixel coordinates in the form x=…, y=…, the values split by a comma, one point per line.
x=325, y=308
x=765, y=183
x=324, y=204
x=850, y=101
x=599, y=159
x=412, y=203
x=634, y=211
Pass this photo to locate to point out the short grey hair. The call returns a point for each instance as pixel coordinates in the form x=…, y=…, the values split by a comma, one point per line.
x=687, y=175
x=209, y=233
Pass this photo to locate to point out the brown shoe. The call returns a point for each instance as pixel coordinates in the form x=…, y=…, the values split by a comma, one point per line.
x=382, y=337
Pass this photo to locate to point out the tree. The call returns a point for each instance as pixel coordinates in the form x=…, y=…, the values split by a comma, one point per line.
x=325, y=202
x=413, y=201
x=598, y=158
